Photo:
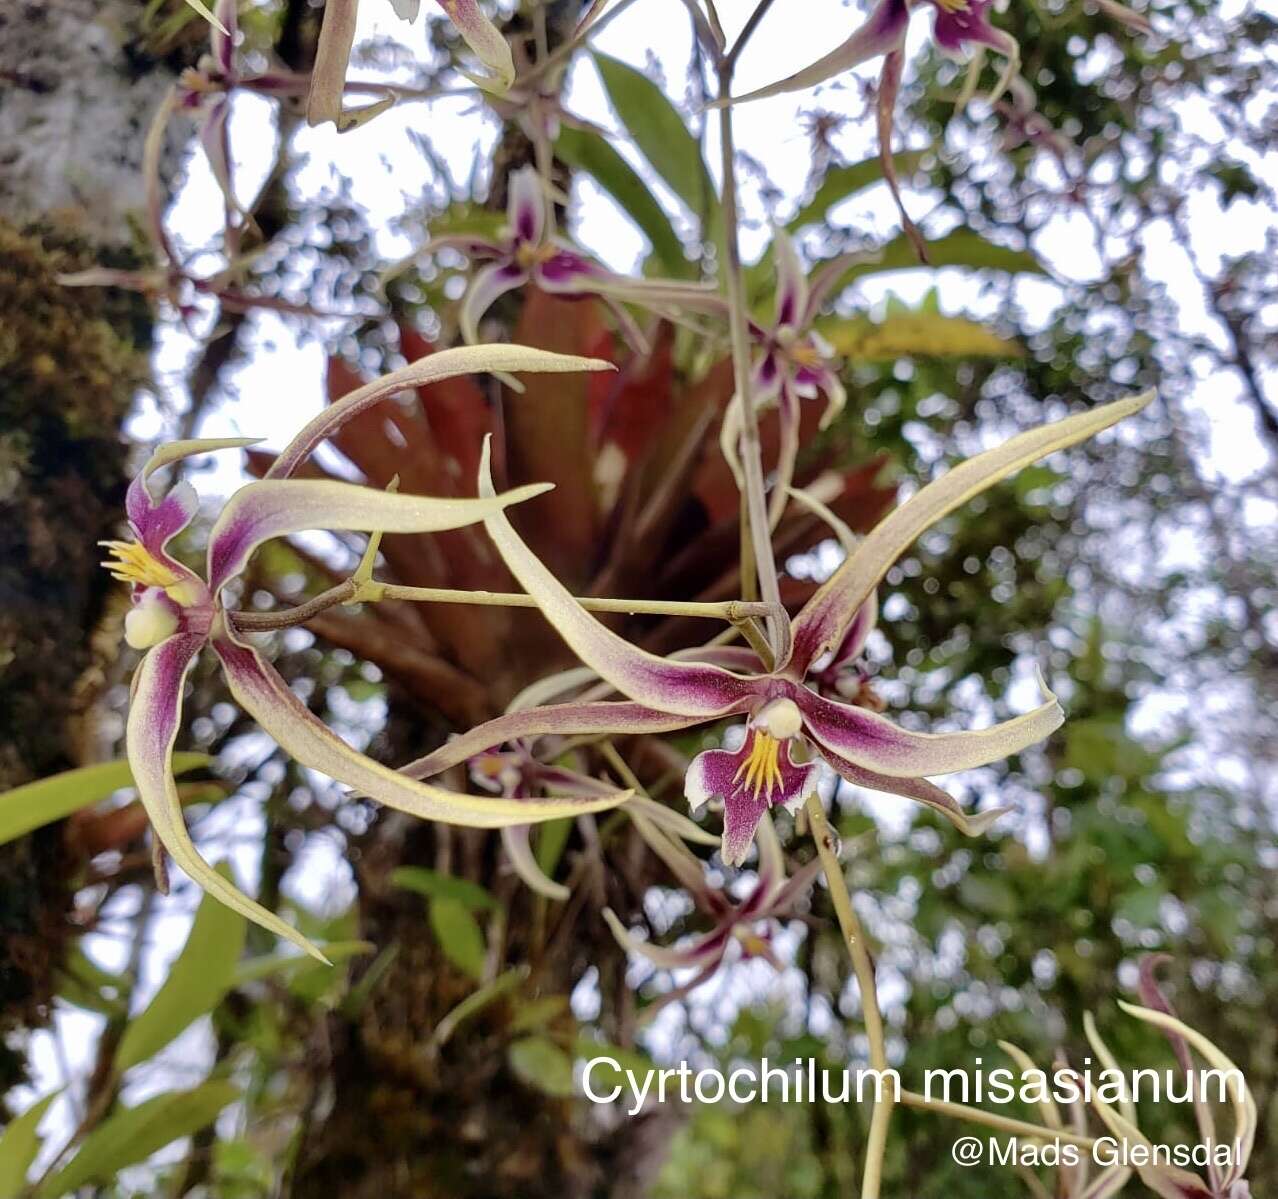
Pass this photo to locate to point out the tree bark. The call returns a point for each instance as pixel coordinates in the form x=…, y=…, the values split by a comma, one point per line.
x=76, y=98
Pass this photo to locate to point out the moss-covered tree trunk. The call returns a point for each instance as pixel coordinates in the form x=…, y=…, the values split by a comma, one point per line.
x=74, y=106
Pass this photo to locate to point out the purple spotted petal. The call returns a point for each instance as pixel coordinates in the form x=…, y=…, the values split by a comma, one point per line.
x=154, y=714
x=721, y=772
x=792, y=283
x=874, y=742
x=680, y=688
x=820, y=625
x=918, y=789
x=489, y=284
x=883, y=32
x=278, y=507
x=431, y=368
x=526, y=208
x=265, y=696
x=575, y=719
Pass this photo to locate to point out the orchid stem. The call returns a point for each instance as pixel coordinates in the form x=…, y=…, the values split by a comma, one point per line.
x=751, y=456
x=974, y=1115
x=364, y=590
x=854, y=938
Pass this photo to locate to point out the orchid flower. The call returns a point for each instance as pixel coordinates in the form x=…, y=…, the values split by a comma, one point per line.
x=527, y=251
x=176, y=614
x=337, y=37
x=745, y=924
x=789, y=726
x=1227, y=1182
x=958, y=26
x=794, y=362
x=517, y=773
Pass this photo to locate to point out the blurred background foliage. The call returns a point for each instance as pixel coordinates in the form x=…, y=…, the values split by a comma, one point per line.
x=436, y=1057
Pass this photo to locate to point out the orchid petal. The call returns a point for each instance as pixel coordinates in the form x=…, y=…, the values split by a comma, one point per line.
x=489, y=284
x=215, y=138
x=704, y=949
x=867, y=739
x=681, y=862
x=792, y=283
x=272, y=508
x=156, y=520
x=551, y=687
x=519, y=850
x=787, y=456
x=154, y=716
x=885, y=109
x=1108, y=1183
x=222, y=35
x=771, y=859
x=265, y=696
x=526, y=207
x=820, y=626
x=793, y=888
x=577, y=718
x=204, y=11
x=485, y=40
x=1046, y=1106
x=431, y=368
x=918, y=789
x=1125, y=1105
x=670, y=821
x=838, y=526
x=1240, y=1097
x=882, y=33
x=723, y=772
x=680, y=688
x=332, y=56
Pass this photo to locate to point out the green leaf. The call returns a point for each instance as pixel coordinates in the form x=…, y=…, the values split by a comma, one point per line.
x=915, y=334
x=36, y=804
x=134, y=1133
x=202, y=974
x=541, y=1063
x=84, y=983
x=19, y=1144
x=843, y=181
x=268, y=964
x=588, y=152
x=435, y=885
x=962, y=247
x=459, y=936
x=552, y=836
x=660, y=132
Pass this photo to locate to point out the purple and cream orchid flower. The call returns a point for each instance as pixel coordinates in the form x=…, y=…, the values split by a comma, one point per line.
x=789, y=726
x=337, y=38
x=176, y=614
x=793, y=363
x=745, y=923
x=959, y=26
x=1224, y=1180
x=527, y=251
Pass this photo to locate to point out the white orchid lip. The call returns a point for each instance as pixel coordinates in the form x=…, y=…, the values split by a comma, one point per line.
x=150, y=621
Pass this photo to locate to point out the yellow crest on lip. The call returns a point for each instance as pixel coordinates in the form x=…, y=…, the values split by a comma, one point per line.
x=953, y=5
x=132, y=563
x=762, y=769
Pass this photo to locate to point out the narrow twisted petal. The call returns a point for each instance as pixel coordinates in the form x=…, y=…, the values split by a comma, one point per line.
x=747, y=796
x=787, y=456
x=792, y=283
x=670, y=821
x=680, y=688
x=867, y=739
x=568, y=719
x=211, y=17
x=277, y=507
x=432, y=368
x=154, y=715
x=518, y=847
x=1246, y=1115
x=793, y=889
x=885, y=119
x=918, y=789
x=702, y=952
x=820, y=626
x=489, y=284
x=882, y=33
x=260, y=691
x=485, y=40
x=526, y=207
x=332, y=55
x=215, y=138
